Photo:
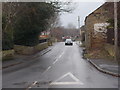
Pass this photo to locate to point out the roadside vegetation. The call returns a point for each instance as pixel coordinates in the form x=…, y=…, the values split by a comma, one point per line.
x=22, y=23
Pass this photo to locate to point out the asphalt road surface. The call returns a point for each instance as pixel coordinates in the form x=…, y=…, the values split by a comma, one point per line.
x=62, y=67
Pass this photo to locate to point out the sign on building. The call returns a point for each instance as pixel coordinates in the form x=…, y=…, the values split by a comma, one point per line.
x=100, y=28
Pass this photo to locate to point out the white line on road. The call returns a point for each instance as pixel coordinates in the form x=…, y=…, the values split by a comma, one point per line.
x=77, y=81
x=55, y=61
x=62, y=77
x=58, y=58
x=66, y=83
x=48, y=68
x=71, y=75
x=34, y=83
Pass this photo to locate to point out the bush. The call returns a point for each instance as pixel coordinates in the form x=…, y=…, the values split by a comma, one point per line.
x=30, y=24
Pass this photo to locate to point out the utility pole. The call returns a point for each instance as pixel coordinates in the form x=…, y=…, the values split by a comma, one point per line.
x=79, y=26
x=115, y=30
x=78, y=22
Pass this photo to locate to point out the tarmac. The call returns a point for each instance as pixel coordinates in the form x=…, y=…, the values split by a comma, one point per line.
x=106, y=66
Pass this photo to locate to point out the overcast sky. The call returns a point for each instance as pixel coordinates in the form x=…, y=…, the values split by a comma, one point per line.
x=82, y=9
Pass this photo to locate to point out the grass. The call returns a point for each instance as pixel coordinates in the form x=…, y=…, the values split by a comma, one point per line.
x=7, y=55
x=98, y=54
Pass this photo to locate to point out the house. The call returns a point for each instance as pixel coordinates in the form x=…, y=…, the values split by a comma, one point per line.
x=99, y=28
x=82, y=33
x=96, y=24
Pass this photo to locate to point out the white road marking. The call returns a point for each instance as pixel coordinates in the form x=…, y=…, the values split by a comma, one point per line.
x=34, y=83
x=69, y=74
x=77, y=81
x=62, y=77
x=48, y=68
x=73, y=77
x=58, y=58
x=66, y=83
x=55, y=61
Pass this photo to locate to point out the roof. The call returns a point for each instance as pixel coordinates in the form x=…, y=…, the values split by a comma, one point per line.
x=105, y=4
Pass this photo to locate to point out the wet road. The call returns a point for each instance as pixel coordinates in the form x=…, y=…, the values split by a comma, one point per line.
x=62, y=67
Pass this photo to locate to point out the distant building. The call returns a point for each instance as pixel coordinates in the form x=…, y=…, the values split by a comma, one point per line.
x=44, y=34
x=82, y=33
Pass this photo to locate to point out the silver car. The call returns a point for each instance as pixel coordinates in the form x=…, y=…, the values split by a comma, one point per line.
x=68, y=42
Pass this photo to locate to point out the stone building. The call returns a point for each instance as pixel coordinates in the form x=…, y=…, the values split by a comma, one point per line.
x=95, y=25
x=82, y=33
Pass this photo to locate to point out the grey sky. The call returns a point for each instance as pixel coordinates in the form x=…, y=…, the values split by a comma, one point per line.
x=82, y=9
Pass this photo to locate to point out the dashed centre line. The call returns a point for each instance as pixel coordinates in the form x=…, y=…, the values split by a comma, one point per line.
x=53, y=63
x=47, y=69
x=34, y=83
x=58, y=58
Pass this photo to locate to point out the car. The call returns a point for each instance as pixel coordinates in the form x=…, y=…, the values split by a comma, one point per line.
x=68, y=42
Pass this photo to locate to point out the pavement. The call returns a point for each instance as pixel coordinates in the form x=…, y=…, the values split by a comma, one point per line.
x=104, y=65
x=61, y=67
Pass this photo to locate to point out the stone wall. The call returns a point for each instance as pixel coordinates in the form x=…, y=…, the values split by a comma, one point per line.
x=22, y=50
x=26, y=50
x=41, y=46
x=7, y=54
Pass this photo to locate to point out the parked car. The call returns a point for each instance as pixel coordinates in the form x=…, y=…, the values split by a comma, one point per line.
x=68, y=42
